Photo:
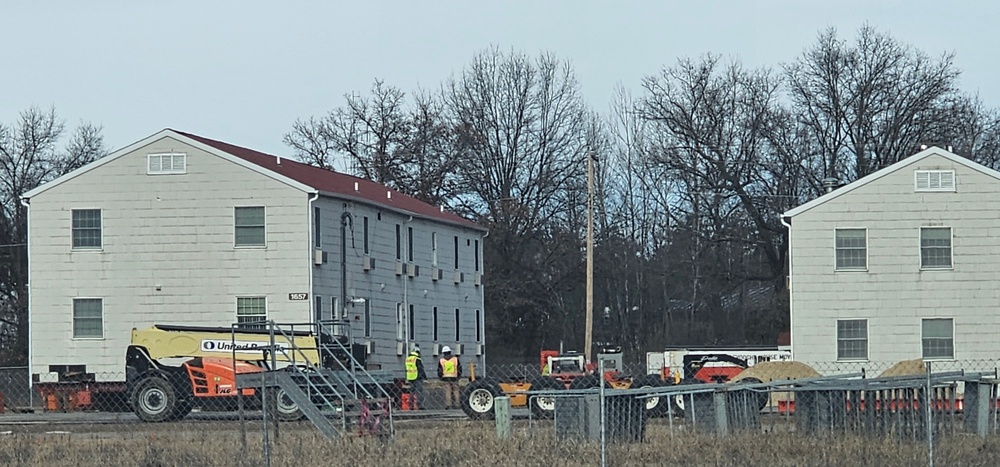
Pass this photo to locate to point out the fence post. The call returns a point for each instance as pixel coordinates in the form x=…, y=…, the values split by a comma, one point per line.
x=930, y=417
x=604, y=416
x=502, y=414
x=721, y=421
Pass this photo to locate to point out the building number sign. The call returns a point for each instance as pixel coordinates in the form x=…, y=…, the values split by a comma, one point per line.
x=298, y=296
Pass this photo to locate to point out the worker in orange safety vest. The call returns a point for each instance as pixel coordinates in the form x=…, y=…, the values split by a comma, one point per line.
x=449, y=371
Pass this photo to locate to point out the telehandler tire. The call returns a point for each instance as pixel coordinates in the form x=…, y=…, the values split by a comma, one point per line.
x=544, y=407
x=280, y=406
x=154, y=399
x=478, y=399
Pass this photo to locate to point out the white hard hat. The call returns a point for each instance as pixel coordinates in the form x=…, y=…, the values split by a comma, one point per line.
x=446, y=349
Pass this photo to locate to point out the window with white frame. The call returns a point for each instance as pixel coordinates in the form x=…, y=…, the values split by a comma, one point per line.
x=456, y=252
x=937, y=336
x=250, y=228
x=166, y=163
x=434, y=249
x=479, y=326
x=368, y=318
x=409, y=244
x=335, y=309
x=88, y=318
x=251, y=312
x=934, y=180
x=86, y=229
x=400, y=328
x=412, y=323
x=458, y=325
x=317, y=227
x=318, y=310
x=852, y=339
x=399, y=244
x=365, y=221
x=935, y=247
x=852, y=249
x=435, y=318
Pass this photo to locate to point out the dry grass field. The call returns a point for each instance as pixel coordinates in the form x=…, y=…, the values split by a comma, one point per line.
x=459, y=444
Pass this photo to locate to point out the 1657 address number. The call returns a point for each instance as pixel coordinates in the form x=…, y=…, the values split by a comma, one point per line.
x=298, y=296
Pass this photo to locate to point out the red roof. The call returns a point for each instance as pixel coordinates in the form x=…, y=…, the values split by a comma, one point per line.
x=336, y=183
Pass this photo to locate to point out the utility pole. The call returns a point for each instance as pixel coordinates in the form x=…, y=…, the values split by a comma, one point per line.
x=589, y=328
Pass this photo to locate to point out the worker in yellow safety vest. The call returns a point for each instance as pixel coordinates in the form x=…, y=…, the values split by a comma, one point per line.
x=449, y=371
x=415, y=377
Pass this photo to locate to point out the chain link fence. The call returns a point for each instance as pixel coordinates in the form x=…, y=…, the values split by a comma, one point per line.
x=889, y=412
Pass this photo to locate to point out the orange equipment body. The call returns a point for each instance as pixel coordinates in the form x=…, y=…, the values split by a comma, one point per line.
x=215, y=376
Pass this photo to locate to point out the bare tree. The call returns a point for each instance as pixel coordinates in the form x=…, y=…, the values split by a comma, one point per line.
x=523, y=130
x=867, y=104
x=409, y=149
x=713, y=135
x=29, y=156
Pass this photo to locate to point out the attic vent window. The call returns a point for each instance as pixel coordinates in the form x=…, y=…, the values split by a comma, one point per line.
x=935, y=180
x=166, y=163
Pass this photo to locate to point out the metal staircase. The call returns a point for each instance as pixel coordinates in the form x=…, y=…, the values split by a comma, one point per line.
x=336, y=393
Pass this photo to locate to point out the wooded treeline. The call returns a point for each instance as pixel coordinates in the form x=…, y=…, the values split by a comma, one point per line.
x=693, y=173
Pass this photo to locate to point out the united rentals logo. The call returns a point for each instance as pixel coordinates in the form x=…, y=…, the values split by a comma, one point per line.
x=216, y=345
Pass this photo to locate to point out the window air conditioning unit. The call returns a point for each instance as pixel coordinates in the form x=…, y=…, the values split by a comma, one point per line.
x=435, y=274
x=400, y=348
x=367, y=263
x=436, y=350
x=319, y=257
x=400, y=268
x=459, y=277
x=369, y=347
x=456, y=349
x=479, y=279
x=479, y=349
x=412, y=270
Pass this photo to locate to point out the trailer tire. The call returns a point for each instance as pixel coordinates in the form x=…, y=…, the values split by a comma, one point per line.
x=544, y=407
x=155, y=400
x=280, y=406
x=655, y=406
x=479, y=398
x=762, y=398
x=679, y=400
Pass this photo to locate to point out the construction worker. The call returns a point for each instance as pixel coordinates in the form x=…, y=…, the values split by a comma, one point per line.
x=415, y=377
x=449, y=371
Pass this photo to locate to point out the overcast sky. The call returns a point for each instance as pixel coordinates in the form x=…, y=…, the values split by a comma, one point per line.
x=243, y=72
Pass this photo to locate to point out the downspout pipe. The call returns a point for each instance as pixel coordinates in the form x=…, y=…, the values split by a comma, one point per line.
x=482, y=304
x=345, y=219
x=407, y=346
x=787, y=222
x=26, y=202
x=312, y=268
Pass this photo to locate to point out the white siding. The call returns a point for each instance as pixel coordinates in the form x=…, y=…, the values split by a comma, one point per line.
x=894, y=294
x=174, y=232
